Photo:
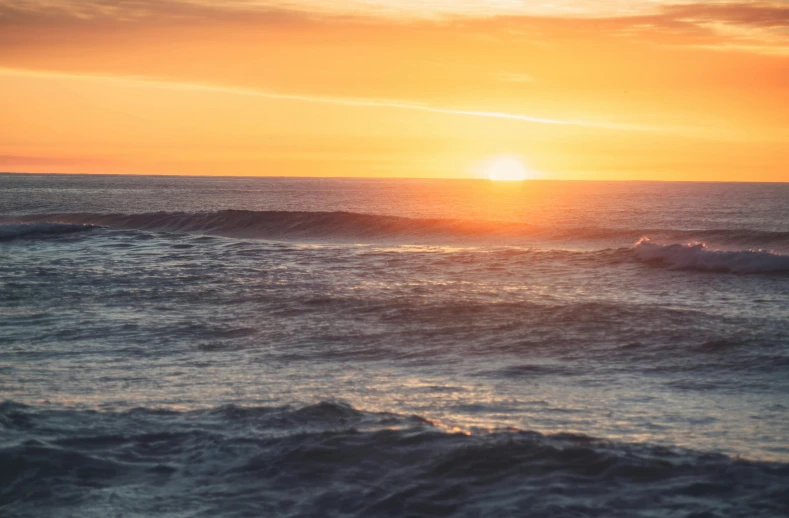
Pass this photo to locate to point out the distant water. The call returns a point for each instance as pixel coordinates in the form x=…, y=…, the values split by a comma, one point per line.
x=301, y=347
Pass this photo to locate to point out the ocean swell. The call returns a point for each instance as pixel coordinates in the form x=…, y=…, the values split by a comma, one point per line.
x=366, y=228
x=283, y=225
x=12, y=231
x=347, y=227
x=697, y=256
x=330, y=459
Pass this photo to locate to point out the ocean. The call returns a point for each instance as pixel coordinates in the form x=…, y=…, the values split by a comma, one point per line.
x=228, y=347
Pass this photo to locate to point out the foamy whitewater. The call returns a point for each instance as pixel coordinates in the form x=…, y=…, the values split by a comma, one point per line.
x=231, y=347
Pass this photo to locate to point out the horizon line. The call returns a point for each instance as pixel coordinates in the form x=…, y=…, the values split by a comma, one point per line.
x=453, y=178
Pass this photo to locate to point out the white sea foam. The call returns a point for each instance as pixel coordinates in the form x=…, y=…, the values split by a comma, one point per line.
x=697, y=256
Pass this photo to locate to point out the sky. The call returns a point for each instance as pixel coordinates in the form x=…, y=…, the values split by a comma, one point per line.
x=574, y=89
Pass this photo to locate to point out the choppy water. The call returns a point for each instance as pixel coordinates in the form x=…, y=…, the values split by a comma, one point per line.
x=276, y=347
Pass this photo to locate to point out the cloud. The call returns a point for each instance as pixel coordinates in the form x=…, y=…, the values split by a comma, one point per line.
x=735, y=21
x=760, y=27
x=761, y=13
x=514, y=77
x=13, y=161
x=756, y=26
x=750, y=12
x=753, y=14
x=85, y=12
x=739, y=24
x=341, y=101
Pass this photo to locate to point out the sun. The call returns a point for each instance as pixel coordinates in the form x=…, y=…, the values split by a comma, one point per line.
x=506, y=169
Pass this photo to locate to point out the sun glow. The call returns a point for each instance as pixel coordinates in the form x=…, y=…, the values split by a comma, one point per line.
x=506, y=170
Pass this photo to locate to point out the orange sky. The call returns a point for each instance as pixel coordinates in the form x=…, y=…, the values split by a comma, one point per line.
x=578, y=89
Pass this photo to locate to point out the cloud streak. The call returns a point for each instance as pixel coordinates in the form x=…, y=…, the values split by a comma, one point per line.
x=145, y=82
x=748, y=12
x=730, y=23
x=130, y=9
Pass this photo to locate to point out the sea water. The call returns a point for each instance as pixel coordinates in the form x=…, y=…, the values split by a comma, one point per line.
x=180, y=346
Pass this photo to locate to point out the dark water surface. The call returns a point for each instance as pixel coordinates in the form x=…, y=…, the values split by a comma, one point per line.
x=281, y=347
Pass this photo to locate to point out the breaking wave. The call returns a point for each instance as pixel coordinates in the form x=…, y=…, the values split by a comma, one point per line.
x=331, y=459
x=354, y=227
x=22, y=230
x=697, y=256
x=742, y=237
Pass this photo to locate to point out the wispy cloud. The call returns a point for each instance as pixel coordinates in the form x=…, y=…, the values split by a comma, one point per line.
x=757, y=26
x=749, y=12
x=744, y=24
x=755, y=14
x=514, y=77
x=35, y=161
x=744, y=11
x=765, y=22
x=135, y=81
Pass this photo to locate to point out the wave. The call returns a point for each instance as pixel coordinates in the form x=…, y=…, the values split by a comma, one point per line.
x=284, y=225
x=331, y=459
x=353, y=227
x=25, y=230
x=356, y=227
x=697, y=256
x=744, y=237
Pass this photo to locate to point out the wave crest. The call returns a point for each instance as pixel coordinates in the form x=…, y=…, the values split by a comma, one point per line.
x=697, y=256
x=350, y=227
x=331, y=459
x=285, y=225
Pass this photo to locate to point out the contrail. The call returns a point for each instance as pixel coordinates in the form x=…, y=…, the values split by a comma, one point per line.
x=149, y=82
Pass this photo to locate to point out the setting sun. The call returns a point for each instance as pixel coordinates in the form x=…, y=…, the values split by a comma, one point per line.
x=507, y=170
